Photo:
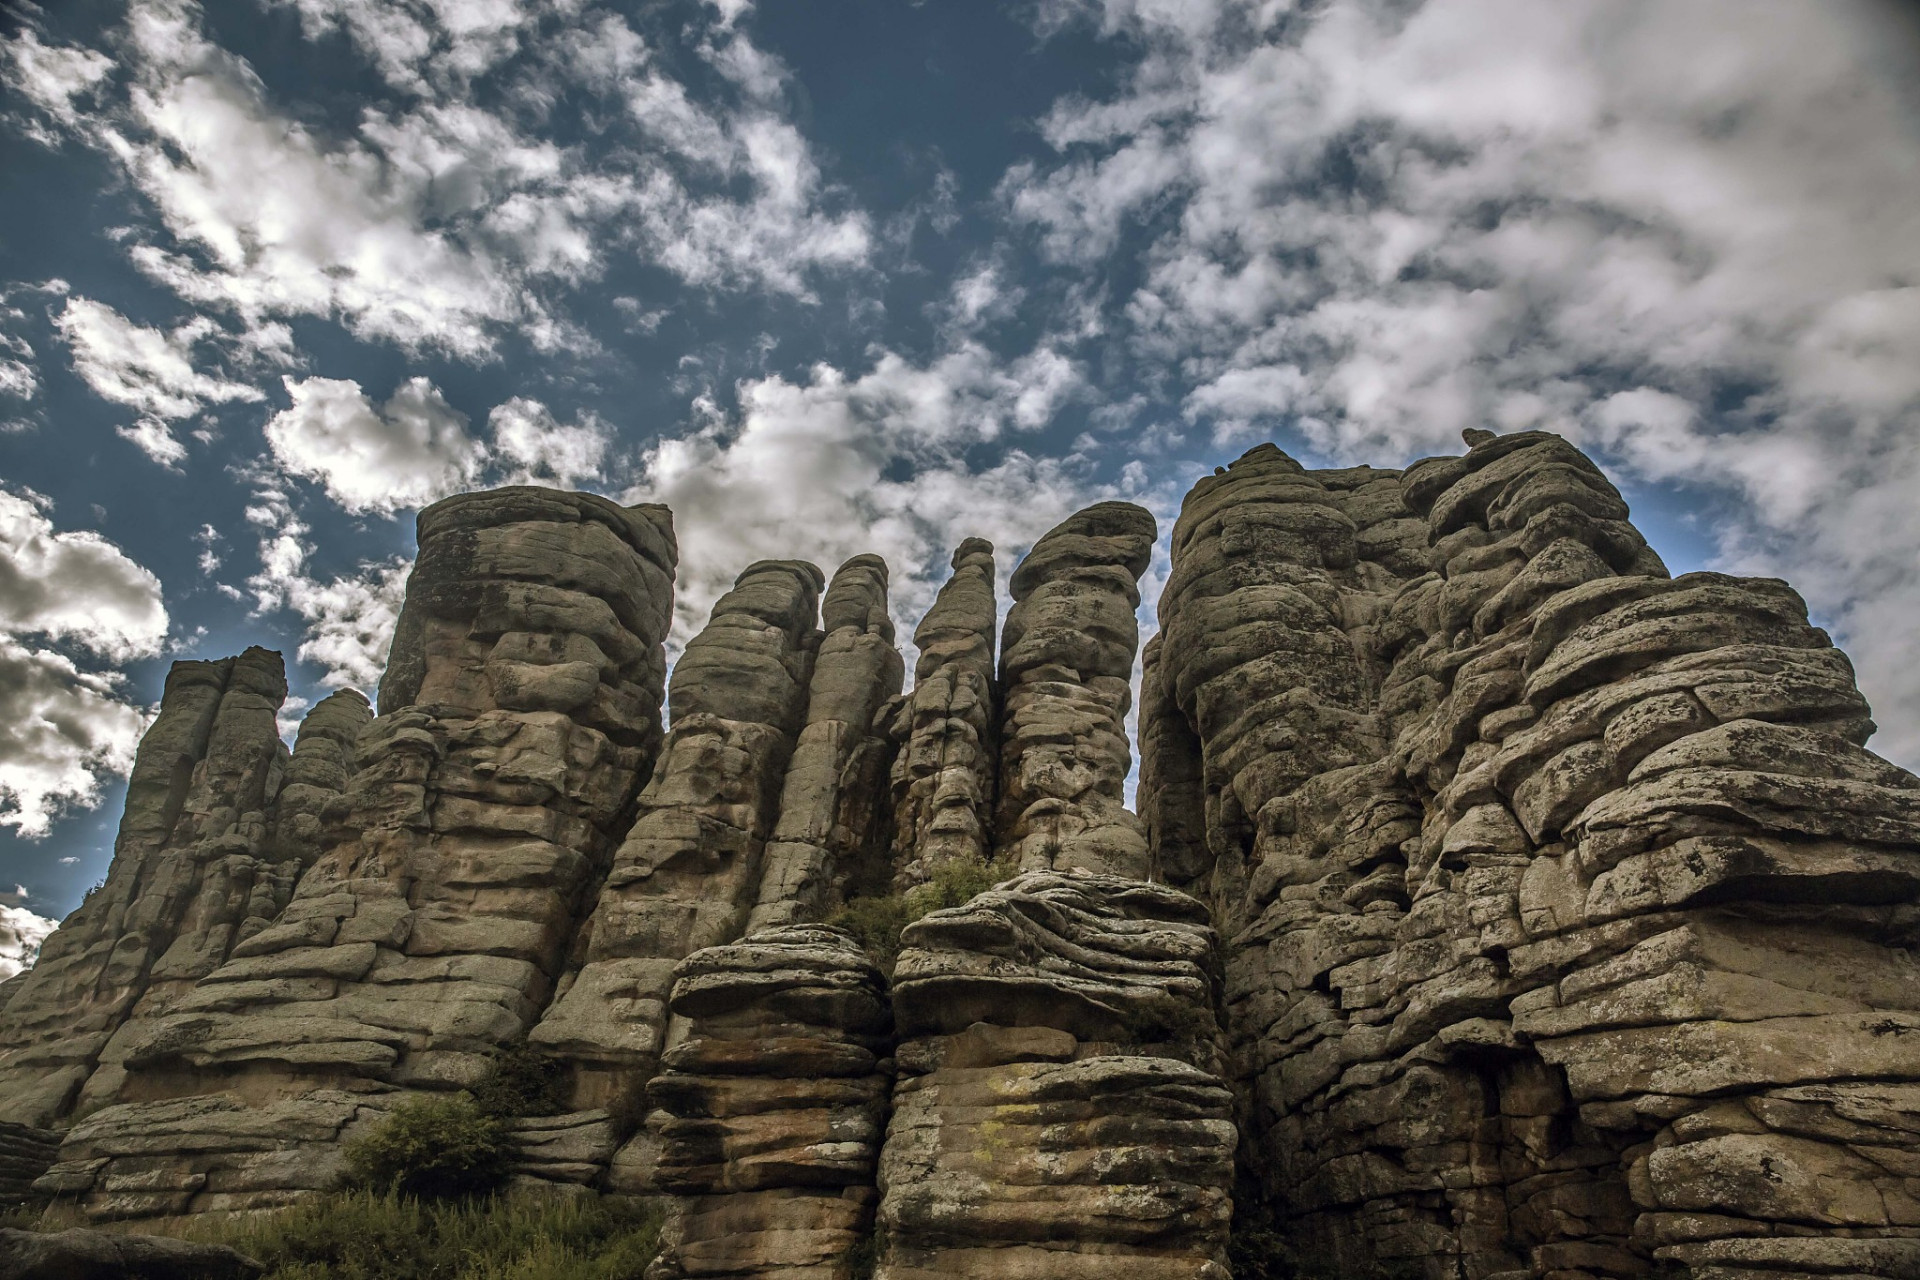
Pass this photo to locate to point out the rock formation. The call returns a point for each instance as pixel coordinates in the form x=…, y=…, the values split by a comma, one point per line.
x=835, y=823
x=1497, y=906
x=689, y=869
x=771, y=1111
x=518, y=714
x=943, y=778
x=190, y=880
x=1567, y=920
x=1066, y=656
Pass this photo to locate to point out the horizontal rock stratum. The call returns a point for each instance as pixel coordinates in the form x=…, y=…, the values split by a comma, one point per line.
x=1495, y=905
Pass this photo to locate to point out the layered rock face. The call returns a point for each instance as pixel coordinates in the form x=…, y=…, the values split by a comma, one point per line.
x=1066, y=660
x=770, y=1112
x=517, y=721
x=1497, y=906
x=943, y=778
x=835, y=824
x=1568, y=922
x=1062, y=1108
x=689, y=869
x=192, y=877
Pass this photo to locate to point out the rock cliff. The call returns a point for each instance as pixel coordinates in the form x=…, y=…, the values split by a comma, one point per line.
x=1494, y=905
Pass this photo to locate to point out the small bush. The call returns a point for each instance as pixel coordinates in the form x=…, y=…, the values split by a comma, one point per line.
x=432, y=1149
x=876, y=922
x=366, y=1235
x=523, y=1082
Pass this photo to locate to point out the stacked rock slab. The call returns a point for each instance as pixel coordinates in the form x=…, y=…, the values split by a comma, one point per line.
x=25, y=1154
x=689, y=869
x=1066, y=663
x=943, y=778
x=190, y=879
x=835, y=824
x=1061, y=1109
x=517, y=719
x=769, y=1114
x=1568, y=921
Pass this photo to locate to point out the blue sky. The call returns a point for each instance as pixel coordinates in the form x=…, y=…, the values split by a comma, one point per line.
x=861, y=275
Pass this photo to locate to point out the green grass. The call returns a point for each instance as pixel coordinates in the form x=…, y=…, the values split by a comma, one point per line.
x=367, y=1235
x=876, y=921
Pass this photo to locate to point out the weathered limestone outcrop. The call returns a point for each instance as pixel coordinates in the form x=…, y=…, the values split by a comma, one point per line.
x=1061, y=1109
x=770, y=1112
x=1497, y=907
x=112, y=1255
x=516, y=725
x=190, y=879
x=1066, y=660
x=1568, y=923
x=835, y=824
x=689, y=869
x=25, y=1154
x=943, y=779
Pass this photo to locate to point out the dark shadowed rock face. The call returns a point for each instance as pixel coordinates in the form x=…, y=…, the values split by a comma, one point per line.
x=104, y=1255
x=1496, y=906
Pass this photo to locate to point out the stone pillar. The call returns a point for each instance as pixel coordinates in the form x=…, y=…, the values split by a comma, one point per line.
x=689, y=869
x=190, y=878
x=515, y=727
x=1066, y=666
x=835, y=821
x=943, y=778
x=1061, y=1109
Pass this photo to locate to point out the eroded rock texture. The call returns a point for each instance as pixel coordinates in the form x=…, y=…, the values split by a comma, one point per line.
x=770, y=1112
x=835, y=825
x=192, y=877
x=1066, y=660
x=1540, y=873
x=689, y=869
x=516, y=725
x=943, y=779
x=1061, y=1109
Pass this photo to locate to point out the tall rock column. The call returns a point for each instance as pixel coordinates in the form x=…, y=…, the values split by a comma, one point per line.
x=190, y=878
x=689, y=869
x=835, y=822
x=517, y=717
x=1066, y=662
x=943, y=777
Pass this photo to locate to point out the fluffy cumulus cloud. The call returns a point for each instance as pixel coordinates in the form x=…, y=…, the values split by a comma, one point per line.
x=534, y=448
x=349, y=619
x=64, y=728
x=1652, y=227
x=406, y=452
x=152, y=371
x=835, y=465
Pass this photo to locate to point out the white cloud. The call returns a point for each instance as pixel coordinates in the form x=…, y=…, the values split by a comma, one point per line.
x=407, y=452
x=149, y=370
x=61, y=731
x=21, y=933
x=835, y=465
x=536, y=449
x=75, y=586
x=52, y=76
x=1680, y=233
x=349, y=620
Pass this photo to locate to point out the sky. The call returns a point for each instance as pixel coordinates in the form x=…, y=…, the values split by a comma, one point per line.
x=876, y=275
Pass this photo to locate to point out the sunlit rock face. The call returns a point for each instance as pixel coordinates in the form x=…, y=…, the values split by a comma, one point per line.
x=1494, y=905
x=1567, y=920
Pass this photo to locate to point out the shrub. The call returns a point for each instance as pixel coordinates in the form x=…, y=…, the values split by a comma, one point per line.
x=432, y=1149
x=367, y=1235
x=523, y=1082
x=876, y=922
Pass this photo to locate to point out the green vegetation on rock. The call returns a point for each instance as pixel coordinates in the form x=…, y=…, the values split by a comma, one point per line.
x=876, y=922
x=432, y=1149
